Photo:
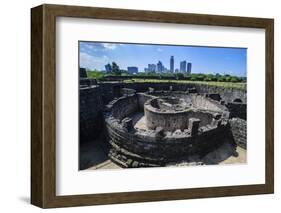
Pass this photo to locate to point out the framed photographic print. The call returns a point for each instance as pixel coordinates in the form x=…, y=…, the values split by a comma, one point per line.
x=136, y=106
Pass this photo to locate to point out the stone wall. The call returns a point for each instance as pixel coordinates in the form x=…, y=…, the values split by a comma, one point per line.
x=146, y=147
x=237, y=110
x=110, y=89
x=174, y=120
x=227, y=94
x=87, y=82
x=132, y=147
x=239, y=131
x=90, y=115
x=82, y=73
x=153, y=148
x=142, y=98
x=206, y=103
x=123, y=106
x=200, y=101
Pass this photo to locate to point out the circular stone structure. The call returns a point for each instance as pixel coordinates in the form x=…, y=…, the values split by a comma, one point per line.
x=172, y=113
x=176, y=125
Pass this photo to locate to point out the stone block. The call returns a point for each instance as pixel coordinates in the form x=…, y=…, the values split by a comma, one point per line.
x=128, y=123
x=193, y=126
x=159, y=133
x=150, y=89
x=217, y=116
x=216, y=123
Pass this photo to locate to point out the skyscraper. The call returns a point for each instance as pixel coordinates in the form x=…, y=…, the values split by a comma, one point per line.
x=108, y=68
x=160, y=67
x=151, y=67
x=189, y=65
x=172, y=62
x=132, y=70
x=183, y=66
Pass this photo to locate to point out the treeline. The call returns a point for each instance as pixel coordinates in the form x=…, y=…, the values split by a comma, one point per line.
x=193, y=77
x=103, y=76
x=115, y=73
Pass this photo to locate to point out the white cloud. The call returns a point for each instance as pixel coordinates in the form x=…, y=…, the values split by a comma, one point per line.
x=98, y=47
x=88, y=46
x=92, y=62
x=110, y=46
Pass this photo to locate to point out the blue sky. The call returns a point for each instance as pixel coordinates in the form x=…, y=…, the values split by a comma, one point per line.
x=223, y=60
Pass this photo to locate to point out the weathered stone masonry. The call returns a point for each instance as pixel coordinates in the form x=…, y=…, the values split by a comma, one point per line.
x=239, y=131
x=130, y=147
x=111, y=89
x=90, y=116
x=156, y=146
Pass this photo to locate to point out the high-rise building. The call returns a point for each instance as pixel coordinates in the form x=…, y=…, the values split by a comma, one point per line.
x=160, y=67
x=151, y=67
x=189, y=65
x=132, y=70
x=172, y=62
x=108, y=68
x=183, y=66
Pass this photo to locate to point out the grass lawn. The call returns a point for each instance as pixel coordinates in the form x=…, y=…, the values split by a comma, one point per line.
x=242, y=86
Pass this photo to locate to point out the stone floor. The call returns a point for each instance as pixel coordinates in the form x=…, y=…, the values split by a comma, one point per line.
x=225, y=154
x=108, y=164
x=139, y=120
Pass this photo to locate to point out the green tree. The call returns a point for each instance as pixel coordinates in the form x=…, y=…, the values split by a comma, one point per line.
x=234, y=79
x=179, y=76
x=209, y=77
x=221, y=79
x=95, y=74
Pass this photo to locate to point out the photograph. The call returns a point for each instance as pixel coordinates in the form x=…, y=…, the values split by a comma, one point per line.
x=138, y=105
x=161, y=105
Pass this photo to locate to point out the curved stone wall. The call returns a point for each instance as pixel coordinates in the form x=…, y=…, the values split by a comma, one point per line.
x=154, y=147
x=133, y=147
x=110, y=89
x=197, y=100
x=171, y=120
x=123, y=106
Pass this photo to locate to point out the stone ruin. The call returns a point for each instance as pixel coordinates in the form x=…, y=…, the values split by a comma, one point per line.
x=159, y=124
x=157, y=128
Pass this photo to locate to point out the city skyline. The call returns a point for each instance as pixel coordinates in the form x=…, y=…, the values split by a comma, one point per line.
x=207, y=60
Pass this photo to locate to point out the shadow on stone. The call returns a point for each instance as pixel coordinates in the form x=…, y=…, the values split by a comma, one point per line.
x=91, y=153
x=220, y=154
